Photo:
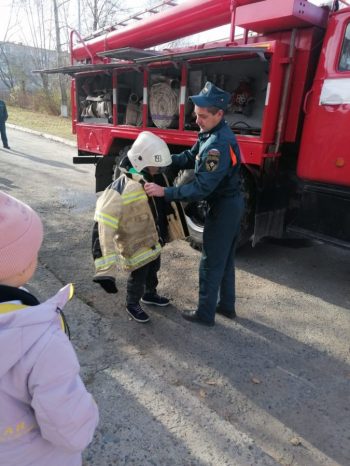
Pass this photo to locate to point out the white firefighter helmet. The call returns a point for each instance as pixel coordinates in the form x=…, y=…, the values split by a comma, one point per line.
x=149, y=150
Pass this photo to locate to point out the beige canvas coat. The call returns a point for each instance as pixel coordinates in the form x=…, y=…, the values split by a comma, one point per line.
x=126, y=227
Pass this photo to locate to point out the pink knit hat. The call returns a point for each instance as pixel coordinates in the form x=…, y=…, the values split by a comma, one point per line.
x=21, y=235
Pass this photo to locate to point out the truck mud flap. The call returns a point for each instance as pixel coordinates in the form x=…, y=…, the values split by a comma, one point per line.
x=268, y=224
x=271, y=208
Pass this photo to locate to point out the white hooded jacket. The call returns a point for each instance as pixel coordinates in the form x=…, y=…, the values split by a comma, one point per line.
x=47, y=417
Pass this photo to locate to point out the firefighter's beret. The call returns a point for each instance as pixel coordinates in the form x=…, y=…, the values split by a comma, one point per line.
x=211, y=96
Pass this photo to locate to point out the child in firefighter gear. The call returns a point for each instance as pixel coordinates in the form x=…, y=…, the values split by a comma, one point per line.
x=131, y=226
x=47, y=416
x=3, y=118
x=216, y=161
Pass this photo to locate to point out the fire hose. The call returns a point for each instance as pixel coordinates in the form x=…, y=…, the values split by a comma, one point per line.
x=164, y=103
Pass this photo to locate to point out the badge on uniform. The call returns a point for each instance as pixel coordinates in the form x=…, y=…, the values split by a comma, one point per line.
x=212, y=160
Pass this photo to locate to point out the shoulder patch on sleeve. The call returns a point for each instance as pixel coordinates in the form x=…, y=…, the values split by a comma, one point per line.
x=212, y=160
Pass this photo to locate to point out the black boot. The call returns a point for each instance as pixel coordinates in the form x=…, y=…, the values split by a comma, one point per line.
x=226, y=313
x=193, y=316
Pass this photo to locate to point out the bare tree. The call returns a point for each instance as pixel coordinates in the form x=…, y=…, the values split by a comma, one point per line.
x=60, y=60
x=11, y=23
x=6, y=70
x=38, y=33
x=97, y=14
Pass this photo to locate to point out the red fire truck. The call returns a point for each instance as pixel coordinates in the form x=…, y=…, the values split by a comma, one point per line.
x=289, y=79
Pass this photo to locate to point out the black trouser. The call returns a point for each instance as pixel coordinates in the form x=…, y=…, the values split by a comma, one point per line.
x=3, y=134
x=141, y=281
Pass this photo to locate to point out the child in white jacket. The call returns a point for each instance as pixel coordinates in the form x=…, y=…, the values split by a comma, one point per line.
x=47, y=417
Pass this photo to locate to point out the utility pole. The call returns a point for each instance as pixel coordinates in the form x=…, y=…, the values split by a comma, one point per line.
x=79, y=25
x=64, y=111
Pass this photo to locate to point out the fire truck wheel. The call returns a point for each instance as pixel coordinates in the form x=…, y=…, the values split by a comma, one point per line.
x=195, y=211
x=249, y=194
x=122, y=153
x=104, y=172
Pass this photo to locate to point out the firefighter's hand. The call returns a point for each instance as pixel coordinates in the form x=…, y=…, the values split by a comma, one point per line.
x=153, y=189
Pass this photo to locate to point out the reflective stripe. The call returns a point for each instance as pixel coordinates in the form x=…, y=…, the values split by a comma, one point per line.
x=133, y=197
x=141, y=257
x=106, y=219
x=138, y=198
x=6, y=308
x=103, y=261
x=10, y=307
x=267, y=98
x=233, y=157
x=183, y=95
x=71, y=291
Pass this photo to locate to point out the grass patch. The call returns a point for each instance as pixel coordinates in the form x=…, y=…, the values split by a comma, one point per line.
x=58, y=126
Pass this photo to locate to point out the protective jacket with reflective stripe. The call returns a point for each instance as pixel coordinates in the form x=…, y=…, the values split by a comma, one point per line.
x=126, y=227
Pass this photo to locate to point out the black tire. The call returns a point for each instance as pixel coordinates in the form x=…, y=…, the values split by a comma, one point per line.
x=122, y=153
x=195, y=211
x=107, y=169
x=249, y=193
x=104, y=172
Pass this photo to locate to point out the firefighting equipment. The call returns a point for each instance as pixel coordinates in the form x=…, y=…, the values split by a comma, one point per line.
x=164, y=103
x=242, y=98
x=176, y=221
x=149, y=150
x=127, y=230
x=133, y=114
x=99, y=106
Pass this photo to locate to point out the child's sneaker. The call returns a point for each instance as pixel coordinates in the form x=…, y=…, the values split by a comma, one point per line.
x=154, y=299
x=137, y=313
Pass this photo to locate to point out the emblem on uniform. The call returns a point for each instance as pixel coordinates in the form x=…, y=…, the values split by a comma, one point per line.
x=212, y=160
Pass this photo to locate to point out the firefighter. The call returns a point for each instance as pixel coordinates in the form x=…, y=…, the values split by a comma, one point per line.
x=131, y=226
x=216, y=160
x=3, y=118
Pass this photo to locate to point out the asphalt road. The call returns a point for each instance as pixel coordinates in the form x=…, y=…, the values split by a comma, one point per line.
x=271, y=388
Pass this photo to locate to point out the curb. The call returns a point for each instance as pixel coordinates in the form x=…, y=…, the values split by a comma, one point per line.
x=44, y=135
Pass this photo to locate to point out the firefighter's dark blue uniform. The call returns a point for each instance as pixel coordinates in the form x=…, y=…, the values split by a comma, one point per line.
x=216, y=160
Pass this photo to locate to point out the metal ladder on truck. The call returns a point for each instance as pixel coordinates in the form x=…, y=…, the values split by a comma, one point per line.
x=135, y=17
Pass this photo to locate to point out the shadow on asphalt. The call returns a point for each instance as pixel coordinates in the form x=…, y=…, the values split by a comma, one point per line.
x=300, y=261
x=51, y=163
x=299, y=388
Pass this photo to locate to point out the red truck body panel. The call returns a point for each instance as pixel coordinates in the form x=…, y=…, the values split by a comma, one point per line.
x=283, y=15
x=324, y=153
